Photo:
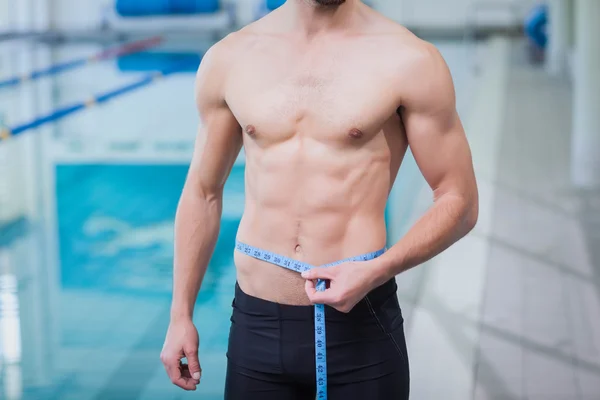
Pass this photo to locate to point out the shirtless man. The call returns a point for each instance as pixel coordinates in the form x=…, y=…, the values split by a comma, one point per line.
x=324, y=96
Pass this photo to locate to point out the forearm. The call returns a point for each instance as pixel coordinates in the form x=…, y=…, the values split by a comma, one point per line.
x=196, y=231
x=448, y=220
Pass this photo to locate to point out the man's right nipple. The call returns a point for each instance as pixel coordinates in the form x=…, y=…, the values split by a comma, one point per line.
x=250, y=130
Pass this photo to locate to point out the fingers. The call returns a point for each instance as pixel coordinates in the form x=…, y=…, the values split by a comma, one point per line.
x=333, y=296
x=315, y=285
x=172, y=366
x=320, y=273
x=193, y=363
x=185, y=371
x=310, y=288
x=315, y=296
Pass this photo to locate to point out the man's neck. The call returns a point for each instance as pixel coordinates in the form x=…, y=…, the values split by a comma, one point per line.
x=311, y=18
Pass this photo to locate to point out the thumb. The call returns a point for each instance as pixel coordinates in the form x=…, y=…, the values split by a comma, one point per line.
x=193, y=363
x=320, y=273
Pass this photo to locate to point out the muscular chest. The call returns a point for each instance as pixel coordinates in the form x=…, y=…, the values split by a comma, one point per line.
x=328, y=96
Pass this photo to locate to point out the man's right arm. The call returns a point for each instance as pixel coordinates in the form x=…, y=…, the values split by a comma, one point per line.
x=197, y=221
x=198, y=215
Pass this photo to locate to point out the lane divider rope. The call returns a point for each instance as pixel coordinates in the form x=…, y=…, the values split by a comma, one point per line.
x=128, y=48
x=8, y=132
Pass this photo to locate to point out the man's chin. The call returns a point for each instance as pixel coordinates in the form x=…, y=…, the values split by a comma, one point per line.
x=330, y=2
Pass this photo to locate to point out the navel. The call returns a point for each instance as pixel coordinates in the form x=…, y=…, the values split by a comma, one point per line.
x=355, y=133
x=250, y=130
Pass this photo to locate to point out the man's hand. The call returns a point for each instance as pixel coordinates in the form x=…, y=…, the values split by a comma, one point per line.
x=182, y=341
x=348, y=283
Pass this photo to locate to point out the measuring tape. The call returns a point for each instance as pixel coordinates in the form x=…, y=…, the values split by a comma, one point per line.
x=298, y=266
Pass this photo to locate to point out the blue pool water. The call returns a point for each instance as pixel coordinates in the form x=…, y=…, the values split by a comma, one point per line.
x=86, y=234
x=115, y=225
x=115, y=230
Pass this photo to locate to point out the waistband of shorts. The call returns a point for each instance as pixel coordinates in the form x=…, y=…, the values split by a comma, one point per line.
x=264, y=308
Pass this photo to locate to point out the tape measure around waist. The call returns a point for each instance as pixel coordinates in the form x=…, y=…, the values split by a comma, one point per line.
x=299, y=266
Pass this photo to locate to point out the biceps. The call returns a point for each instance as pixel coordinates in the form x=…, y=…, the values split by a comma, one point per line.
x=442, y=152
x=218, y=144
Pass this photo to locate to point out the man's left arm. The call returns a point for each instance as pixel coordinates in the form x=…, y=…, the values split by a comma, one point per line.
x=440, y=148
x=439, y=145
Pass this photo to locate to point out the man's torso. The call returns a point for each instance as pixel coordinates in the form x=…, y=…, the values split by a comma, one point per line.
x=323, y=141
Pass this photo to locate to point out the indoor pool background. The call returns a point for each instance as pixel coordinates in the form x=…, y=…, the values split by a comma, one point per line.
x=87, y=271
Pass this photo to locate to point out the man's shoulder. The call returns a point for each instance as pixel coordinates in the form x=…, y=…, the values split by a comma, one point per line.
x=224, y=49
x=236, y=45
x=415, y=66
x=411, y=61
x=240, y=42
x=401, y=46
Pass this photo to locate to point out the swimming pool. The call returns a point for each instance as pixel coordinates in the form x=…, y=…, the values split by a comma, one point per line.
x=86, y=228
